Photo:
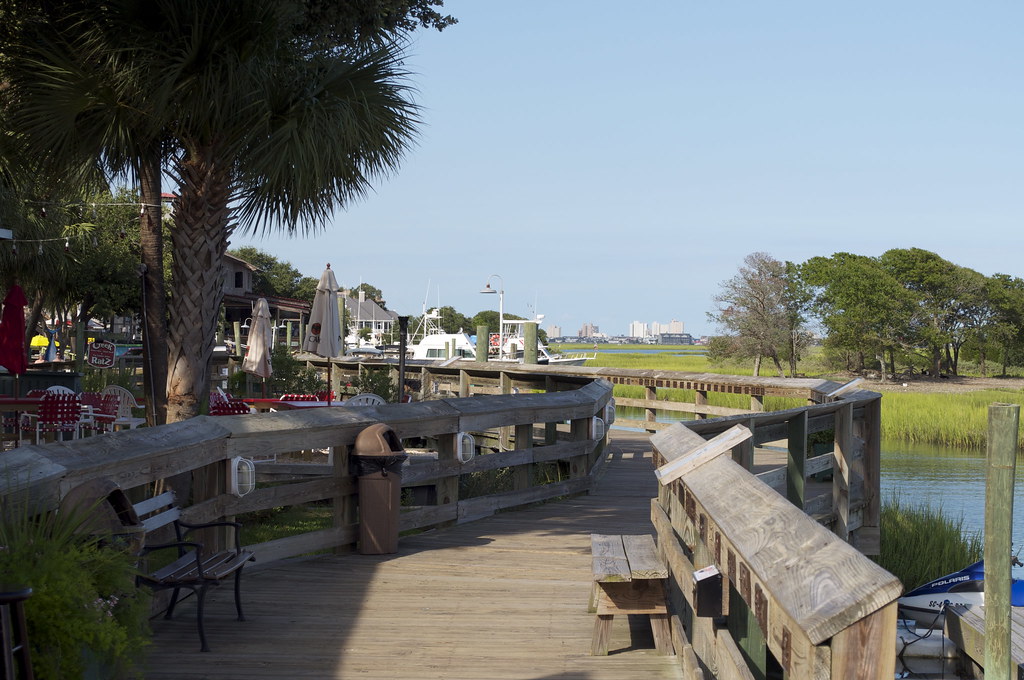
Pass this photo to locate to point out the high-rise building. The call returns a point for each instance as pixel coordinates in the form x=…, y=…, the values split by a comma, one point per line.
x=588, y=330
x=639, y=329
x=554, y=331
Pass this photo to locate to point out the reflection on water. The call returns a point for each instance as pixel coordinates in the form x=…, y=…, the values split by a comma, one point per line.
x=949, y=479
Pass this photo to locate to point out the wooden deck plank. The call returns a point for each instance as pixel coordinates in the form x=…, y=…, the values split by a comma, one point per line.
x=504, y=597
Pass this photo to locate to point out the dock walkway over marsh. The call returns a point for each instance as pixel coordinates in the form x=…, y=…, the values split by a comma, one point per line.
x=502, y=597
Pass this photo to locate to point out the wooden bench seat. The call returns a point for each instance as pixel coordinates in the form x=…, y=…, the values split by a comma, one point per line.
x=195, y=568
x=629, y=578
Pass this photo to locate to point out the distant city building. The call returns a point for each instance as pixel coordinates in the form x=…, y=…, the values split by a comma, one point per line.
x=639, y=329
x=675, y=339
x=672, y=326
x=589, y=330
x=554, y=331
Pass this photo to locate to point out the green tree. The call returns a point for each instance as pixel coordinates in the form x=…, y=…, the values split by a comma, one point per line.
x=938, y=292
x=757, y=308
x=237, y=96
x=276, y=278
x=370, y=293
x=864, y=309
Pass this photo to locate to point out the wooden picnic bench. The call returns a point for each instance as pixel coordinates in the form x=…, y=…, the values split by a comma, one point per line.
x=629, y=578
x=195, y=568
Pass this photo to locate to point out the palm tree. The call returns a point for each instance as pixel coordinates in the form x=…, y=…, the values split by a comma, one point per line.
x=259, y=130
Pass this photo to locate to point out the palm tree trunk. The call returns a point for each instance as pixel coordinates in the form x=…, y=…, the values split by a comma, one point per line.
x=154, y=297
x=200, y=239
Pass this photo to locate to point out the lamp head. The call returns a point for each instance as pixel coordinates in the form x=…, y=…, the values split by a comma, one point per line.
x=488, y=289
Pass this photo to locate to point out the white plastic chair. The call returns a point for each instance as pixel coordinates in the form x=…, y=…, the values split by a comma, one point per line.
x=126, y=402
x=60, y=389
x=365, y=399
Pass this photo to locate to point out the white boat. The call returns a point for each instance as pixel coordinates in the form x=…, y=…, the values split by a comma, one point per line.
x=435, y=344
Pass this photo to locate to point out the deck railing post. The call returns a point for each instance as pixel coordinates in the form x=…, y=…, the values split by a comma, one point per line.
x=797, y=460
x=869, y=432
x=651, y=394
x=1003, y=423
x=447, y=487
x=343, y=505
x=843, y=451
x=523, y=474
x=700, y=398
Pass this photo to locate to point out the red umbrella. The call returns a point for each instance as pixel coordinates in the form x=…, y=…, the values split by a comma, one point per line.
x=12, y=332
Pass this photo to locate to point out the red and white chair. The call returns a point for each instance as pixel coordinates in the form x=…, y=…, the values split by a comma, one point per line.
x=58, y=412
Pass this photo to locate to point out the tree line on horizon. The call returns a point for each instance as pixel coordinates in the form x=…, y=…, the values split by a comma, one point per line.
x=906, y=309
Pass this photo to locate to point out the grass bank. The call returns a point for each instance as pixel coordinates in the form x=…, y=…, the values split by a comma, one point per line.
x=949, y=419
x=920, y=544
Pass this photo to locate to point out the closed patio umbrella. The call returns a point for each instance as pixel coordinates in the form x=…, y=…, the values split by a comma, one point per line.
x=257, y=356
x=324, y=335
x=12, y=333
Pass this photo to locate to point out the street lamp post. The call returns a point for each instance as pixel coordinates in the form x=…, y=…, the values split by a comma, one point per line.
x=501, y=309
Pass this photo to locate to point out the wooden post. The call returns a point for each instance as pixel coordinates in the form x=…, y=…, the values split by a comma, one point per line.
x=1003, y=421
x=579, y=466
x=700, y=398
x=650, y=394
x=288, y=335
x=868, y=538
x=795, y=465
x=841, y=470
x=743, y=453
x=237, y=328
x=530, y=342
x=523, y=474
x=757, y=403
x=482, y=342
x=505, y=432
x=463, y=383
x=447, y=487
x=343, y=506
x=550, y=429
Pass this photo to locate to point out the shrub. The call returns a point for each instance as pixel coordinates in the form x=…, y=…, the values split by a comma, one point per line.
x=84, y=605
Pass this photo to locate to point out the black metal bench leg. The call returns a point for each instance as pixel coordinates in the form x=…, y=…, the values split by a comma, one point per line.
x=174, y=601
x=201, y=598
x=238, y=595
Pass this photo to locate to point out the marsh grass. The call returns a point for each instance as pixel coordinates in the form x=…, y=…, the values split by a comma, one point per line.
x=920, y=543
x=948, y=419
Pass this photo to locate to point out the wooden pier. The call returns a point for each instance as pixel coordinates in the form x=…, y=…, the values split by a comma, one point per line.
x=504, y=597
x=492, y=578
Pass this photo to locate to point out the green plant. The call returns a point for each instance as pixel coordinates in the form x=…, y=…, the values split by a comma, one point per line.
x=376, y=381
x=291, y=376
x=84, y=604
x=920, y=543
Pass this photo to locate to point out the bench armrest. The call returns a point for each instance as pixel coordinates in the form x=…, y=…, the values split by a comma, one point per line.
x=207, y=525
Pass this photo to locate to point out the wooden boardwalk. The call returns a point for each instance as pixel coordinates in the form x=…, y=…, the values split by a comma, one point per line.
x=502, y=598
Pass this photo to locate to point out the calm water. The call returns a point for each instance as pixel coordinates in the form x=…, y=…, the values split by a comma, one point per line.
x=950, y=480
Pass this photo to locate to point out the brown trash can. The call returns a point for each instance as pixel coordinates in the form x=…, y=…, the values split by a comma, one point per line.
x=378, y=458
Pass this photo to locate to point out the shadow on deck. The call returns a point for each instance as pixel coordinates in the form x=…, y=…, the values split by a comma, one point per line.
x=504, y=597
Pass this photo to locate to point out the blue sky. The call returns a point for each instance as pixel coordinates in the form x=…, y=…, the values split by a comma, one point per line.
x=616, y=161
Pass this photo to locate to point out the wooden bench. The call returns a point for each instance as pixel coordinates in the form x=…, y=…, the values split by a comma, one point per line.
x=195, y=568
x=629, y=578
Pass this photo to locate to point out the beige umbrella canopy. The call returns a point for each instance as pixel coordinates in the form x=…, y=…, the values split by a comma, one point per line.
x=257, y=356
x=324, y=336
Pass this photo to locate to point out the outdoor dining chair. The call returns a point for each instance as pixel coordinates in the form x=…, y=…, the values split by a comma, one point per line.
x=126, y=402
x=58, y=412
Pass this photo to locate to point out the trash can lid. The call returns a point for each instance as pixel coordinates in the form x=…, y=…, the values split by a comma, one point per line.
x=378, y=440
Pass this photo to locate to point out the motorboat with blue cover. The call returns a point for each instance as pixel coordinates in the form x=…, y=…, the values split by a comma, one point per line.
x=926, y=604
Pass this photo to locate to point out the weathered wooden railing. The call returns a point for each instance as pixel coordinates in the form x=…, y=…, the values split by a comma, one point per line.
x=795, y=597
x=42, y=475
x=464, y=379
